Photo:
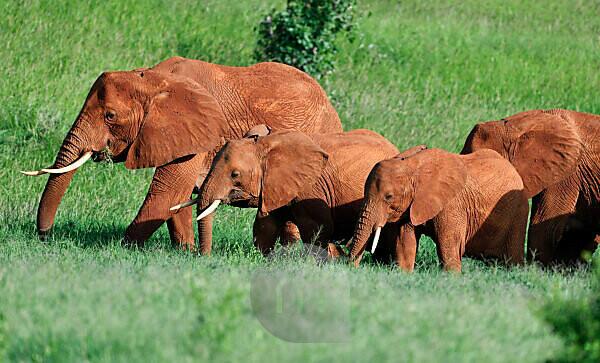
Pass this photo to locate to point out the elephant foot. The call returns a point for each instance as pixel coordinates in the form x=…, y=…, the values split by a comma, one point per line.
x=289, y=234
x=185, y=246
x=128, y=243
x=43, y=234
x=335, y=251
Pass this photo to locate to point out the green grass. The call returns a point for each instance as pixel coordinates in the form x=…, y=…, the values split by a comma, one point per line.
x=418, y=72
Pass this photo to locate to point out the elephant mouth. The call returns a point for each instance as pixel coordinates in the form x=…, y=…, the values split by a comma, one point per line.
x=241, y=199
x=100, y=156
x=108, y=154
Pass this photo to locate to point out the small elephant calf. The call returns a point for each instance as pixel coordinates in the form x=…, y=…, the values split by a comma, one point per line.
x=316, y=182
x=470, y=205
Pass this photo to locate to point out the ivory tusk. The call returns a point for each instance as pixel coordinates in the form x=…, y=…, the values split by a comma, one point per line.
x=184, y=204
x=375, y=239
x=33, y=173
x=85, y=157
x=211, y=208
x=73, y=166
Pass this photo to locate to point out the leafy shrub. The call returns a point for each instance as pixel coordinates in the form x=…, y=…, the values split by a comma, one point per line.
x=577, y=321
x=303, y=34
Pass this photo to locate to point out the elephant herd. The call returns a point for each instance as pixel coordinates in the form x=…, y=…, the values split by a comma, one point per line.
x=267, y=137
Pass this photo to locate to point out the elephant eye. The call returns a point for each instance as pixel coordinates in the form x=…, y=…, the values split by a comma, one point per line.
x=235, y=174
x=109, y=116
x=388, y=197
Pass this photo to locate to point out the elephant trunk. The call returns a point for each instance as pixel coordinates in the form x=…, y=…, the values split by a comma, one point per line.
x=205, y=224
x=57, y=184
x=206, y=195
x=364, y=229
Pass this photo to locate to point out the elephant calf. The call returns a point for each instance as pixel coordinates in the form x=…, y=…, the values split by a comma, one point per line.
x=468, y=204
x=314, y=181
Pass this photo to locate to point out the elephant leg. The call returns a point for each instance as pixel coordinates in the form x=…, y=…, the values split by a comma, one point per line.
x=316, y=226
x=577, y=241
x=550, y=213
x=450, y=244
x=515, y=241
x=266, y=230
x=172, y=184
x=406, y=248
x=180, y=229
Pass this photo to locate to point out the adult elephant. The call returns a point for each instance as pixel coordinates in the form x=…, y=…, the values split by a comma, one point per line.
x=172, y=117
x=557, y=154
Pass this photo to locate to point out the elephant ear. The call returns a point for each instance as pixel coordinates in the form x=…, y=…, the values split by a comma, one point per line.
x=292, y=163
x=181, y=119
x=440, y=176
x=547, y=152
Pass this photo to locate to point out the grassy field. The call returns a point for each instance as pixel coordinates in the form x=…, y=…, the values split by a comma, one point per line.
x=418, y=72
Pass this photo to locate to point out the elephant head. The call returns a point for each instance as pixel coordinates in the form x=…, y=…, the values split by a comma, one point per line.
x=544, y=146
x=412, y=187
x=142, y=117
x=265, y=172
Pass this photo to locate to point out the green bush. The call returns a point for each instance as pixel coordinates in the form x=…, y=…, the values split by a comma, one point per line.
x=303, y=34
x=577, y=321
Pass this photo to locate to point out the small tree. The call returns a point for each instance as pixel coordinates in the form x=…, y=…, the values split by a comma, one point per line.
x=303, y=34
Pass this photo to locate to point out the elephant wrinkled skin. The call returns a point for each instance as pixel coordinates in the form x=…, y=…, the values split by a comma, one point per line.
x=172, y=117
x=314, y=181
x=557, y=153
x=469, y=205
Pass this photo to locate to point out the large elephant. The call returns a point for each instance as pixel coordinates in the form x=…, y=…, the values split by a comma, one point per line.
x=557, y=153
x=468, y=204
x=172, y=117
x=315, y=181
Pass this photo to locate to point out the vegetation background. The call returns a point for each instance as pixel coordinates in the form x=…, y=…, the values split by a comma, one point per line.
x=417, y=72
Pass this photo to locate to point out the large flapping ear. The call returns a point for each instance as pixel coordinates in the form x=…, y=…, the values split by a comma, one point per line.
x=547, y=150
x=292, y=162
x=181, y=119
x=440, y=176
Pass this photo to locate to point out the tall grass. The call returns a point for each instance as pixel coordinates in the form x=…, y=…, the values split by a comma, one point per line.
x=418, y=72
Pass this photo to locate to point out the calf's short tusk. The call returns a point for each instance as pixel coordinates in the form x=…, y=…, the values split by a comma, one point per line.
x=375, y=239
x=85, y=157
x=184, y=204
x=211, y=208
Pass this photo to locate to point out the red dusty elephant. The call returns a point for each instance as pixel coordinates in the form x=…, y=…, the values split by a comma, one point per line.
x=469, y=205
x=314, y=181
x=172, y=116
x=557, y=153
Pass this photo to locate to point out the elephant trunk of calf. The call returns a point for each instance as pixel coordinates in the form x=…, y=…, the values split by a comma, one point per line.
x=205, y=216
x=364, y=228
x=57, y=184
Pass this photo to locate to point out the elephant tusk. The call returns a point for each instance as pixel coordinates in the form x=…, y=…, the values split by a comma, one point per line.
x=211, y=208
x=184, y=204
x=33, y=173
x=375, y=239
x=71, y=167
x=85, y=157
